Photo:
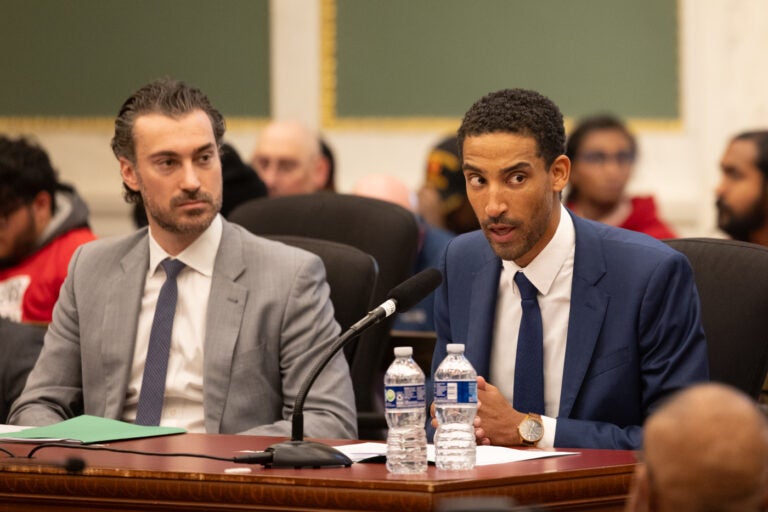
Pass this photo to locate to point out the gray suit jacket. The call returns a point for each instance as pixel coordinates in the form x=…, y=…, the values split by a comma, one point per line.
x=269, y=320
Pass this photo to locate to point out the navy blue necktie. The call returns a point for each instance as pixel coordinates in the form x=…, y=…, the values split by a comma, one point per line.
x=529, y=367
x=156, y=365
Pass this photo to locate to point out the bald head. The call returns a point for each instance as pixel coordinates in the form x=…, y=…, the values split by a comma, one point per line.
x=707, y=449
x=288, y=159
x=386, y=188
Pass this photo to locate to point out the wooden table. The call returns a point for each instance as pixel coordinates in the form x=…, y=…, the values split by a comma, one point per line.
x=591, y=480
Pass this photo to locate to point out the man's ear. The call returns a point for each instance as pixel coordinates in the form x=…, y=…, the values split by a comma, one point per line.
x=561, y=173
x=322, y=171
x=42, y=202
x=128, y=173
x=41, y=210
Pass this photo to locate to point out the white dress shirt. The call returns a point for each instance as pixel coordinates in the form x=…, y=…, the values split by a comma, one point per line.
x=551, y=272
x=183, y=404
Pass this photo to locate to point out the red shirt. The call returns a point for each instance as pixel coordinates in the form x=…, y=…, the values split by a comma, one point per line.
x=645, y=219
x=29, y=290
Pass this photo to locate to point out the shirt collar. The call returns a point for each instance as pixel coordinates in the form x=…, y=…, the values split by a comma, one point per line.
x=200, y=255
x=543, y=270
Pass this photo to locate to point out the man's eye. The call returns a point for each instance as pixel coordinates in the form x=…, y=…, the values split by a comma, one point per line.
x=475, y=181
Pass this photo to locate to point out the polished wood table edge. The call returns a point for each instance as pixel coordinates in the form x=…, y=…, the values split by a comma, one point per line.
x=591, y=480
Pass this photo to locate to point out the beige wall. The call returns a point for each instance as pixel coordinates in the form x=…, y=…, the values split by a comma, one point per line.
x=724, y=44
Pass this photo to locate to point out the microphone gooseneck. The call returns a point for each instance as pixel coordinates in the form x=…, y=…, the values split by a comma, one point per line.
x=300, y=453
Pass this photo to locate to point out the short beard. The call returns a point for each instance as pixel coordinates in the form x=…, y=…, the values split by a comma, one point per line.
x=741, y=227
x=24, y=245
x=530, y=233
x=196, y=225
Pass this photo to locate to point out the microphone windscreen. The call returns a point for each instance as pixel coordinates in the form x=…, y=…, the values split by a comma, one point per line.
x=411, y=291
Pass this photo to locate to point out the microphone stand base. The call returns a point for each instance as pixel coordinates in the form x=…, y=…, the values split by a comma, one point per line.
x=306, y=454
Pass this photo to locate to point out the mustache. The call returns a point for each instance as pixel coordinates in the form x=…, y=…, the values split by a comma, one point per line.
x=722, y=207
x=490, y=221
x=186, y=197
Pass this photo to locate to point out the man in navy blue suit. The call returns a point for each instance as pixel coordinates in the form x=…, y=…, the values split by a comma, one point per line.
x=620, y=325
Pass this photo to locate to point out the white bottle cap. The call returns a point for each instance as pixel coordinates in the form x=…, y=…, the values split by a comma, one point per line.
x=403, y=351
x=455, y=348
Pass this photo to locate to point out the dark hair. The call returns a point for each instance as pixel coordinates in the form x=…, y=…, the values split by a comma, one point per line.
x=25, y=171
x=593, y=124
x=166, y=96
x=760, y=139
x=586, y=126
x=327, y=152
x=518, y=111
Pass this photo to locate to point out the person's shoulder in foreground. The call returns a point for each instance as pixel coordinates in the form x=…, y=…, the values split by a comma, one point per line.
x=704, y=450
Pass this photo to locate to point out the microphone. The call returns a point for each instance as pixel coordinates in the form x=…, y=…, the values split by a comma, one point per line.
x=299, y=453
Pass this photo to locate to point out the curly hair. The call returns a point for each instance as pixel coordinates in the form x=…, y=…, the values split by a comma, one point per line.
x=165, y=96
x=25, y=171
x=518, y=111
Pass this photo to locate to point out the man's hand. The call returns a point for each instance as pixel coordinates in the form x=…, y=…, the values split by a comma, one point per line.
x=496, y=422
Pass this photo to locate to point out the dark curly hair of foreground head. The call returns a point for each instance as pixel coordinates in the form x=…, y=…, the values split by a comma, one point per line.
x=518, y=111
x=166, y=96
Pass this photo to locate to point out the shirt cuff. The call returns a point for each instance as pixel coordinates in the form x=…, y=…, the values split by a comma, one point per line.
x=550, y=425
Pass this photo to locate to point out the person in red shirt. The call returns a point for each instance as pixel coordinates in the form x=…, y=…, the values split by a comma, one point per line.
x=42, y=222
x=602, y=151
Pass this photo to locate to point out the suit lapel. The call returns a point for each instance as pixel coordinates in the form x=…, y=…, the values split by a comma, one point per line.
x=482, y=314
x=588, y=308
x=124, y=291
x=226, y=305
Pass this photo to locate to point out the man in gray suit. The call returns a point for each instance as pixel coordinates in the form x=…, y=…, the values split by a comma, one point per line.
x=252, y=317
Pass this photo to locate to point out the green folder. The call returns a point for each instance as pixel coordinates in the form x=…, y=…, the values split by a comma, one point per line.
x=90, y=429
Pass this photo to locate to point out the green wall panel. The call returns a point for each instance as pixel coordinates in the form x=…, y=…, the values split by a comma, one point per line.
x=433, y=58
x=82, y=58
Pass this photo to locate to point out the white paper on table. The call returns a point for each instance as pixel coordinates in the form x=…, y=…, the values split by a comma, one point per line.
x=485, y=455
x=5, y=429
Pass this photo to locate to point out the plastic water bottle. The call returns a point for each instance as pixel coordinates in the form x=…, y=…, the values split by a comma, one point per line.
x=405, y=400
x=455, y=408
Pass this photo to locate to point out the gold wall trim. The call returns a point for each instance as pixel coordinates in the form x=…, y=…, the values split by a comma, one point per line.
x=328, y=81
x=99, y=124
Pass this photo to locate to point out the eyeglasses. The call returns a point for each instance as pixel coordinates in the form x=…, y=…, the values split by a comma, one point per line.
x=601, y=158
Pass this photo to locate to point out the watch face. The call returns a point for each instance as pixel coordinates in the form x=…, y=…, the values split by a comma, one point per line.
x=531, y=430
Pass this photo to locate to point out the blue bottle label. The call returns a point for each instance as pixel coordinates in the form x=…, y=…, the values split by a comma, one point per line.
x=456, y=392
x=404, y=397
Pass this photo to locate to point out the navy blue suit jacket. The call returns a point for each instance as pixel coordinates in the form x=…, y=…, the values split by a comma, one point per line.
x=634, y=332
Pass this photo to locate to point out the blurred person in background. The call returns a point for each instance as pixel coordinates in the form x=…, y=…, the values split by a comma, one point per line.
x=432, y=244
x=603, y=152
x=443, y=199
x=289, y=158
x=42, y=222
x=742, y=194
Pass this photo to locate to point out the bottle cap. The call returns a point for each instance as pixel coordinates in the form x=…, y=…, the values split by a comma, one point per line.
x=455, y=348
x=403, y=351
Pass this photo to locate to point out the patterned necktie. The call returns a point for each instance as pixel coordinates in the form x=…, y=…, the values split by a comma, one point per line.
x=529, y=367
x=156, y=365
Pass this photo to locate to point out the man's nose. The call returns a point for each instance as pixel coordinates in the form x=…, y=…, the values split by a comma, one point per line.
x=190, y=180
